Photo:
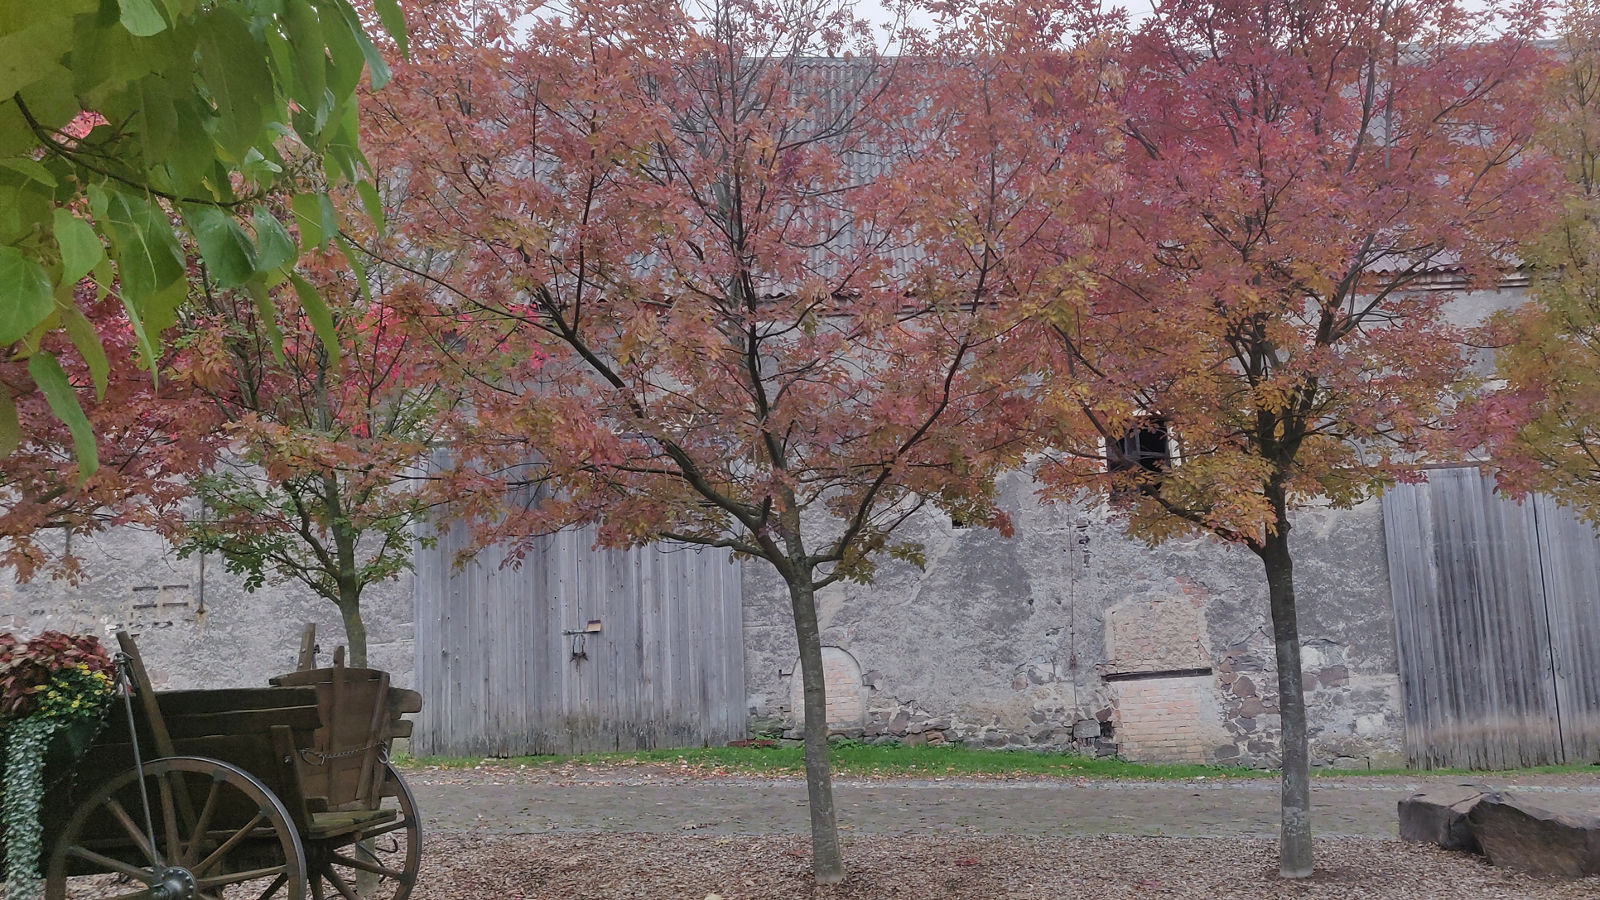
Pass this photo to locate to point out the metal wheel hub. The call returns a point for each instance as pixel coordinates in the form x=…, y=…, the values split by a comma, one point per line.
x=174, y=883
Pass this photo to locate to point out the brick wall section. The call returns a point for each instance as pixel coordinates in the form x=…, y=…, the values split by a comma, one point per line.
x=1166, y=719
x=841, y=675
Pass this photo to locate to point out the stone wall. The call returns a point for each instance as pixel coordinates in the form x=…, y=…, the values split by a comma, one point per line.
x=196, y=625
x=1067, y=636
x=1070, y=635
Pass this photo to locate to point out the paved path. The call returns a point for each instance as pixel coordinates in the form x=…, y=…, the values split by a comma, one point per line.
x=506, y=801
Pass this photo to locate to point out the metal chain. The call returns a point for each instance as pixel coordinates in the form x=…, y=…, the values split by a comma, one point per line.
x=306, y=753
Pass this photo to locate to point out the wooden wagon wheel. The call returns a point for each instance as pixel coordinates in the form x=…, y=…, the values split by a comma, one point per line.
x=377, y=863
x=219, y=834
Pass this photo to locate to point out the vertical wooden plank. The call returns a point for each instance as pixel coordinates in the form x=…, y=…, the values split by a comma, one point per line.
x=1572, y=574
x=652, y=639
x=1471, y=628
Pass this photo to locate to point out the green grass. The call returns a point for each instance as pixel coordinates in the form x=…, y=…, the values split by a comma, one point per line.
x=866, y=760
x=927, y=762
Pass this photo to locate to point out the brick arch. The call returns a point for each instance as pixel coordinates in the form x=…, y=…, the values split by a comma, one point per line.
x=847, y=697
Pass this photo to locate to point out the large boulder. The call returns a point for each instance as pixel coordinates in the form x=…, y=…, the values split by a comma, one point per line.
x=1519, y=835
x=1440, y=817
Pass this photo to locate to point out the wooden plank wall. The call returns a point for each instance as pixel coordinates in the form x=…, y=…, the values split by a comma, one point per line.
x=1488, y=595
x=1571, y=573
x=499, y=678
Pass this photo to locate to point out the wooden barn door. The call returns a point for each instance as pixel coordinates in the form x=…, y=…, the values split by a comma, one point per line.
x=1570, y=566
x=1497, y=615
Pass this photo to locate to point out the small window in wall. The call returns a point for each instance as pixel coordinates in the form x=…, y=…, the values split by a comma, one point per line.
x=1148, y=445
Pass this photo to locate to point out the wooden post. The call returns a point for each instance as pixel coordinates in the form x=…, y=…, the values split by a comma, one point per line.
x=369, y=790
x=147, y=695
x=308, y=648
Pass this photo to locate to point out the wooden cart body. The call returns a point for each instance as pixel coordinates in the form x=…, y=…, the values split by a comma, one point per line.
x=290, y=780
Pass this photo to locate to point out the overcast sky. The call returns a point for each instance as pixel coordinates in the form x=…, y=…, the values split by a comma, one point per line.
x=874, y=10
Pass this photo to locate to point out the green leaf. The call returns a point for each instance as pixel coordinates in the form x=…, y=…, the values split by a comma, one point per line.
x=310, y=60
x=149, y=258
x=321, y=318
x=229, y=254
x=375, y=63
x=274, y=247
x=29, y=52
x=10, y=428
x=308, y=218
x=24, y=208
x=136, y=321
x=30, y=169
x=372, y=204
x=157, y=121
x=26, y=298
x=104, y=278
x=142, y=18
x=193, y=154
x=161, y=311
x=394, y=22
x=63, y=400
x=81, y=249
x=330, y=218
x=14, y=134
x=344, y=57
x=267, y=315
x=237, y=76
x=87, y=340
x=353, y=260
x=107, y=59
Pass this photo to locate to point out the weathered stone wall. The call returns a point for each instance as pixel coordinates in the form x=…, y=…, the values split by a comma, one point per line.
x=1040, y=640
x=196, y=625
x=1069, y=635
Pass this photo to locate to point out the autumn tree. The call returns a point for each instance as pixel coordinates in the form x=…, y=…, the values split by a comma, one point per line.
x=773, y=287
x=1543, y=427
x=321, y=480
x=145, y=451
x=1299, y=180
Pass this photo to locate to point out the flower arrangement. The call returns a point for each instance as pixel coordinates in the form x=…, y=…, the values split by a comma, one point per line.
x=47, y=685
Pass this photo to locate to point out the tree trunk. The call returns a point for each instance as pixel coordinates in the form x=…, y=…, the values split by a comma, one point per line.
x=355, y=630
x=827, y=863
x=1294, y=843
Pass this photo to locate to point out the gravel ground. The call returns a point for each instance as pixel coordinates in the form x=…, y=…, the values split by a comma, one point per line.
x=663, y=831
x=703, y=867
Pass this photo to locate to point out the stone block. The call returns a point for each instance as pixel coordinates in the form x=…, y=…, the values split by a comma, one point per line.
x=1440, y=817
x=1519, y=835
x=1086, y=729
x=1334, y=676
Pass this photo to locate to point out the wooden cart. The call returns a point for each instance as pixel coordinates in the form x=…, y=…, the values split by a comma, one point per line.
x=281, y=792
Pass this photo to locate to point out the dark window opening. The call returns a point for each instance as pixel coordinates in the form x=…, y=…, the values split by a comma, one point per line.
x=1146, y=446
